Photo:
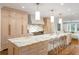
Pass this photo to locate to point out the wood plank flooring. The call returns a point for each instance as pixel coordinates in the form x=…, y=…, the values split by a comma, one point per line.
x=72, y=49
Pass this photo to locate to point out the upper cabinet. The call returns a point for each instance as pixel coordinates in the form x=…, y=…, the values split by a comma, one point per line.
x=33, y=21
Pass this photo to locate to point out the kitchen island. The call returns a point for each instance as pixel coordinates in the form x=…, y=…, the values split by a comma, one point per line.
x=31, y=45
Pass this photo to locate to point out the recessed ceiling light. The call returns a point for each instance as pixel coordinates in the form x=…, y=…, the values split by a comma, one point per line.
x=72, y=13
x=68, y=9
x=23, y=7
x=61, y=4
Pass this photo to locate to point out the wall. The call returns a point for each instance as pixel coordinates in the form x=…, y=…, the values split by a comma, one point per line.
x=56, y=22
x=54, y=29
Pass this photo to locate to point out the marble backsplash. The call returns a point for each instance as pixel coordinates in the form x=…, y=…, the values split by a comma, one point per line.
x=35, y=28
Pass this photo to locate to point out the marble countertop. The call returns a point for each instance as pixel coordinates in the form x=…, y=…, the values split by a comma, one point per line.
x=75, y=35
x=24, y=41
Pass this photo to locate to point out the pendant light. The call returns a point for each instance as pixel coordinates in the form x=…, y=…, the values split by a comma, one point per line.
x=37, y=12
x=60, y=18
x=52, y=16
x=61, y=22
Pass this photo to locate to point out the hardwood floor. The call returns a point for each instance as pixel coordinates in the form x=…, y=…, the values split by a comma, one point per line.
x=72, y=49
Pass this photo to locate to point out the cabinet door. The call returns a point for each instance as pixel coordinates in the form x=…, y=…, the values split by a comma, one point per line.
x=47, y=25
x=18, y=24
x=25, y=24
x=73, y=28
x=12, y=23
x=4, y=28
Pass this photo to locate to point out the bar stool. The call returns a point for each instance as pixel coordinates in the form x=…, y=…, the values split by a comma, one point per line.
x=54, y=46
x=63, y=45
x=60, y=45
x=57, y=47
x=51, y=46
x=64, y=41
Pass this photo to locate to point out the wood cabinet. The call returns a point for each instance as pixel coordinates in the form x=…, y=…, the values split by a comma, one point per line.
x=0, y=28
x=13, y=24
x=47, y=25
x=39, y=48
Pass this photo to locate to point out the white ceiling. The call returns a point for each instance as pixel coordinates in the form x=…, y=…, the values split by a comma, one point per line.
x=70, y=11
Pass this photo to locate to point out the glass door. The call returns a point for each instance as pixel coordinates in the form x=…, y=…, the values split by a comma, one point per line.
x=72, y=28
x=77, y=27
x=69, y=27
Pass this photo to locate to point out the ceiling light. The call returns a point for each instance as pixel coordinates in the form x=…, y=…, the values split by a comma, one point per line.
x=72, y=13
x=69, y=9
x=37, y=13
x=52, y=16
x=61, y=4
x=23, y=7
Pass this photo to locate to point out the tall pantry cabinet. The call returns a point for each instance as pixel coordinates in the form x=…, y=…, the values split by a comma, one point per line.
x=0, y=28
x=47, y=25
x=13, y=24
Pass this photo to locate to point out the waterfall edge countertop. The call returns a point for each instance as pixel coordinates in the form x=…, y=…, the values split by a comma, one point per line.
x=24, y=41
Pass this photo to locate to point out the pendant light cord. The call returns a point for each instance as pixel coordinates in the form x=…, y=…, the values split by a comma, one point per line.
x=37, y=5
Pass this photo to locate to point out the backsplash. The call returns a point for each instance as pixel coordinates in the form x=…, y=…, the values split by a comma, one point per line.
x=35, y=28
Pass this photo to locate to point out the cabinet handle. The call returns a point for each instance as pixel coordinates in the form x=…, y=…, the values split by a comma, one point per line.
x=22, y=29
x=9, y=29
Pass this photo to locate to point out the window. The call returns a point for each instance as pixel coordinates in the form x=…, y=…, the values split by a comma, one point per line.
x=68, y=27
x=73, y=28
x=58, y=27
x=77, y=27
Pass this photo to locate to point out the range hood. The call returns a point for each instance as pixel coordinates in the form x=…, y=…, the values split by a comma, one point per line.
x=32, y=20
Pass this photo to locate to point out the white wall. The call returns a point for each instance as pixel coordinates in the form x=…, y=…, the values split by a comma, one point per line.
x=56, y=26
x=75, y=20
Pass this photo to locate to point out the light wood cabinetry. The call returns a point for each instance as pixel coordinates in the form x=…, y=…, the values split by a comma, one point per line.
x=47, y=25
x=13, y=24
x=0, y=28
